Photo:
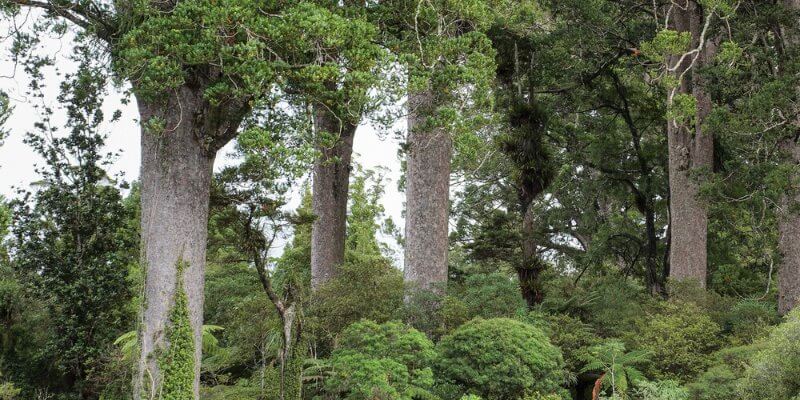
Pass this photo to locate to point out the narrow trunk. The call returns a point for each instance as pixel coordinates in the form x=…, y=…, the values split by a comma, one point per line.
x=530, y=270
x=290, y=356
x=427, y=198
x=789, y=242
x=176, y=173
x=654, y=282
x=690, y=150
x=329, y=196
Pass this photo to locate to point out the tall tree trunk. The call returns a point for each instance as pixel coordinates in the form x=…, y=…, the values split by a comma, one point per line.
x=531, y=268
x=690, y=150
x=788, y=217
x=789, y=242
x=331, y=183
x=655, y=283
x=179, y=138
x=427, y=198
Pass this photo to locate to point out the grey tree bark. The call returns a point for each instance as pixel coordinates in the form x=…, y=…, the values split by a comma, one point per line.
x=331, y=182
x=427, y=198
x=176, y=173
x=789, y=217
x=690, y=150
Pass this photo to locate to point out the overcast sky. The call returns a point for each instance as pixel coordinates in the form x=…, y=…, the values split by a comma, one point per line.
x=17, y=160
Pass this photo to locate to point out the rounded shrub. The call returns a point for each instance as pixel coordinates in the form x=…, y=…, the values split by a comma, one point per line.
x=498, y=359
x=680, y=340
x=381, y=361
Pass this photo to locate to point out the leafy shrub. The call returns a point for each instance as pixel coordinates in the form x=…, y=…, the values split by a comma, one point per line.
x=749, y=320
x=8, y=391
x=719, y=382
x=680, y=339
x=773, y=372
x=539, y=396
x=484, y=295
x=716, y=306
x=242, y=390
x=570, y=334
x=381, y=361
x=498, y=359
x=660, y=390
x=611, y=304
x=368, y=288
x=492, y=295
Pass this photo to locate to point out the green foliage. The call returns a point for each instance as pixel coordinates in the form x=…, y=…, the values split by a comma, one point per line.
x=383, y=361
x=491, y=295
x=242, y=40
x=243, y=390
x=570, y=334
x=365, y=288
x=617, y=365
x=177, y=362
x=721, y=380
x=8, y=391
x=610, y=304
x=499, y=359
x=749, y=320
x=717, y=383
x=660, y=390
x=70, y=248
x=683, y=108
x=667, y=42
x=772, y=373
x=680, y=340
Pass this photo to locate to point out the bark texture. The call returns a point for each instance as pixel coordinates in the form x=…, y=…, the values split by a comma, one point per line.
x=789, y=242
x=529, y=273
x=427, y=198
x=690, y=150
x=330, y=187
x=179, y=139
x=789, y=218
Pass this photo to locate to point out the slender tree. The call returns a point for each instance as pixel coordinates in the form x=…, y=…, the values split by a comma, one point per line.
x=68, y=241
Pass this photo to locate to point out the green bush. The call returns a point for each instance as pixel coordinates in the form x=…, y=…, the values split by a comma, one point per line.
x=570, y=334
x=485, y=295
x=492, y=295
x=749, y=320
x=680, y=340
x=773, y=373
x=381, y=361
x=365, y=288
x=242, y=390
x=660, y=390
x=498, y=359
x=719, y=382
x=611, y=304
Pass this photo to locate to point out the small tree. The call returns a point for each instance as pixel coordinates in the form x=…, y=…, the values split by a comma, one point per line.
x=616, y=365
x=377, y=361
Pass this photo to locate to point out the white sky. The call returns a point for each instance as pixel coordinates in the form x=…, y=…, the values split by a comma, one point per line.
x=17, y=160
